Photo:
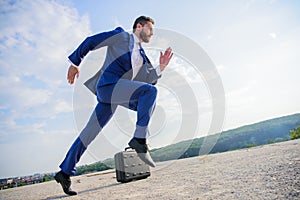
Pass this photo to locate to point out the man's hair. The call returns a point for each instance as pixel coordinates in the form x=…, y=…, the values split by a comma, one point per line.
x=142, y=20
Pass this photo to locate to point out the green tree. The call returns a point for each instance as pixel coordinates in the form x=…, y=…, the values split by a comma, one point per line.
x=47, y=178
x=295, y=133
x=250, y=145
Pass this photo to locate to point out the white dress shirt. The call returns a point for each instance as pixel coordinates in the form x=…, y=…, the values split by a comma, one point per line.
x=137, y=59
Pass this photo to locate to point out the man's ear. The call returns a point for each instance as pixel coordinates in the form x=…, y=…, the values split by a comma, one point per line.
x=139, y=26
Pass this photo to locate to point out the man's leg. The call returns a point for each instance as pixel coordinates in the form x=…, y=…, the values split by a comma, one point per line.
x=144, y=99
x=99, y=118
x=136, y=96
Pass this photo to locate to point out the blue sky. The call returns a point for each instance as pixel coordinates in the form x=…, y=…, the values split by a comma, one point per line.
x=255, y=46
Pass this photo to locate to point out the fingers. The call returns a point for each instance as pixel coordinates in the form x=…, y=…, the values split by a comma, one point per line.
x=71, y=79
x=170, y=56
x=78, y=71
x=165, y=58
x=72, y=72
x=168, y=53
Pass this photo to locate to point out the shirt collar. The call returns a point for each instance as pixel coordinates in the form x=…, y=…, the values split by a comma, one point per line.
x=135, y=39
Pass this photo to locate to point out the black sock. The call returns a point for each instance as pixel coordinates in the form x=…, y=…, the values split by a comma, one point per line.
x=141, y=140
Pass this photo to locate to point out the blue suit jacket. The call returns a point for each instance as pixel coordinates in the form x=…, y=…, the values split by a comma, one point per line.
x=117, y=63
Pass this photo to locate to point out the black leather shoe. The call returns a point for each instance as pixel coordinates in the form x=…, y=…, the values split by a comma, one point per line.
x=142, y=151
x=65, y=182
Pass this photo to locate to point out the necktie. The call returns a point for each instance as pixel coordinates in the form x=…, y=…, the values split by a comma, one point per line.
x=143, y=54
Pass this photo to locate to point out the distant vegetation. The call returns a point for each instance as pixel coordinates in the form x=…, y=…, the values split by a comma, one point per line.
x=265, y=132
x=295, y=134
x=95, y=167
x=39, y=178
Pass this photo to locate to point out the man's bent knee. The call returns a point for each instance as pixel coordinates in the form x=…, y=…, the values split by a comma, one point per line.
x=152, y=89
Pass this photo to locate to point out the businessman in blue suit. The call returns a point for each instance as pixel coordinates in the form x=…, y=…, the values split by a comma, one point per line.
x=126, y=78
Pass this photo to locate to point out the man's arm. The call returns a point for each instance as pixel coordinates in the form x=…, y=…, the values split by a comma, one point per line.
x=89, y=44
x=93, y=42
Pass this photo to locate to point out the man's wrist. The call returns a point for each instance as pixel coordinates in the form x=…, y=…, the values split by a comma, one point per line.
x=162, y=67
x=158, y=70
x=72, y=63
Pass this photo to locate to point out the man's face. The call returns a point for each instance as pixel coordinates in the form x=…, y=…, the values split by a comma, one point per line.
x=146, y=32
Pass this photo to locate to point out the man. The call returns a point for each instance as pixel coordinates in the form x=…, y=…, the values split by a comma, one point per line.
x=126, y=78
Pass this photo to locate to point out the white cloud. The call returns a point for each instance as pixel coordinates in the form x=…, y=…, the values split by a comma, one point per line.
x=35, y=39
x=40, y=42
x=36, y=101
x=63, y=106
x=220, y=67
x=273, y=35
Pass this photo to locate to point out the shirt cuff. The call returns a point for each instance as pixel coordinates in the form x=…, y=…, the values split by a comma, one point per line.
x=158, y=71
x=72, y=63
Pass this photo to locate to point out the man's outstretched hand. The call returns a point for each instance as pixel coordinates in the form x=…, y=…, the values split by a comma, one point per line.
x=165, y=58
x=72, y=72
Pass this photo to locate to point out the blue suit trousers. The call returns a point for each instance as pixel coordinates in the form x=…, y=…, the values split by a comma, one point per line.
x=135, y=95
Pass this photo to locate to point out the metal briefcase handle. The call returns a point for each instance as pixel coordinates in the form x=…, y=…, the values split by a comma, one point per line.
x=128, y=148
